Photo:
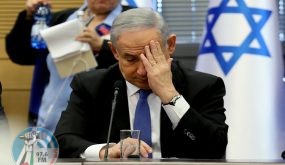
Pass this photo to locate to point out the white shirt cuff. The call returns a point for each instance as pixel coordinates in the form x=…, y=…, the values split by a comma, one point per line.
x=92, y=151
x=175, y=113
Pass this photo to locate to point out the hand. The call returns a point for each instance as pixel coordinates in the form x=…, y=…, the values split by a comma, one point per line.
x=30, y=140
x=32, y=4
x=114, y=151
x=91, y=37
x=158, y=68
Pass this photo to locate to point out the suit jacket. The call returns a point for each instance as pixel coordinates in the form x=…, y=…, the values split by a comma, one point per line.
x=201, y=133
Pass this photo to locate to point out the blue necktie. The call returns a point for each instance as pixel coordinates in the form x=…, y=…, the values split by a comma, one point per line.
x=142, y=119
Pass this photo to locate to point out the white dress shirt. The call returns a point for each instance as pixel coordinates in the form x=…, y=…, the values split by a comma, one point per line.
x=175, y=113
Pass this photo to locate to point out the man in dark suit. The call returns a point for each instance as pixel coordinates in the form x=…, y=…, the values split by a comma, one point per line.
x=186, y=107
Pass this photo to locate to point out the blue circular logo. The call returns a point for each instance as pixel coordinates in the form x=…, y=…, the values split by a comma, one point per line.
x=35, y=145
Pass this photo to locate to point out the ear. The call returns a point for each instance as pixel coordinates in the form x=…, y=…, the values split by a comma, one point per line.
x=113, y=49
x=171, y=44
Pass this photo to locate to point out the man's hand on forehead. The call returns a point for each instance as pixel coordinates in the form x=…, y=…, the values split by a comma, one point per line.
x=158, y=68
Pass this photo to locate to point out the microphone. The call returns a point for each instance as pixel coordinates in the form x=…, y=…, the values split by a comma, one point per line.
x=283, y=155
x=117, y=86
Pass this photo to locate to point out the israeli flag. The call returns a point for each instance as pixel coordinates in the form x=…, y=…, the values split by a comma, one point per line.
x=242, y=46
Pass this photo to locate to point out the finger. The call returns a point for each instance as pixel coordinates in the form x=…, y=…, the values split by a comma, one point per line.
x=145, y=149
x=90, y=34
x=34, y=3
x=126, y=148
x=30, y=6
x=129, y=150
x=83, y=39
x=149, y=55
x=145, y=62
x=154, y=50
x=91, y=31
x=146, y=146
x=84, y=36
x=113, y=151
x=158, y=55
x=143, y=152
x=86, y=29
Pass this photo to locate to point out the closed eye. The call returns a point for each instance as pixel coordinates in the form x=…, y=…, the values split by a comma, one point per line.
x=131, y=58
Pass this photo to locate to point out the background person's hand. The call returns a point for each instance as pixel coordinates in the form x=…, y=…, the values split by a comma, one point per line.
x=91, y=37
x=32, y=4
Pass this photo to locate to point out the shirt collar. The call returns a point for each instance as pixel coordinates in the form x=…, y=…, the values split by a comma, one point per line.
x=131, y=89
x=110, y=18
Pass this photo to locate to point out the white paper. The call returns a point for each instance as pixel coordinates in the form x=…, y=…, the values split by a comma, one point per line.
x=60, y=40
x=70, y=56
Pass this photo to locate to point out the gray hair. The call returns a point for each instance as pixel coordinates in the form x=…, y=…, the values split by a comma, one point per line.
x=134, y=19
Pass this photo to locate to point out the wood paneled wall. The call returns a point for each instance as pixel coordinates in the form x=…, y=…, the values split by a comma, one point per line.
x=16, y=79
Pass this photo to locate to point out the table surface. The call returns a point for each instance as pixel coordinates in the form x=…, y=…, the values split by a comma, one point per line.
x=167, y=162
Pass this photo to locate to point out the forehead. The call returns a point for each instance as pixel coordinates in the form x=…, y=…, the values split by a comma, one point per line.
x=137, y=38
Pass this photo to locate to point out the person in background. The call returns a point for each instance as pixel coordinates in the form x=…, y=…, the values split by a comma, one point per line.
x=186, y=107
x=49, y=93
x=3, y=118
x=5, y=140
x=1, y=107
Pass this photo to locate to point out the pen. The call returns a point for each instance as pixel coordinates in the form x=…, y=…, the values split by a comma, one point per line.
x=90, y=20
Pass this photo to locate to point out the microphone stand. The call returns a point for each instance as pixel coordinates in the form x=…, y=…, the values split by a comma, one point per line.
x=111, y=122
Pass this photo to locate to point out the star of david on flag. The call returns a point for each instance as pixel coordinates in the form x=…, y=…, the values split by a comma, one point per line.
x=241, y=45
x=250, y=42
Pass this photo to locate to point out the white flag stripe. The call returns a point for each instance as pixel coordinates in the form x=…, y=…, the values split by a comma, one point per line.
x=140, y=3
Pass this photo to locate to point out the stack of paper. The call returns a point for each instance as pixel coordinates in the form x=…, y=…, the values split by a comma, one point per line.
x=69, y=55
